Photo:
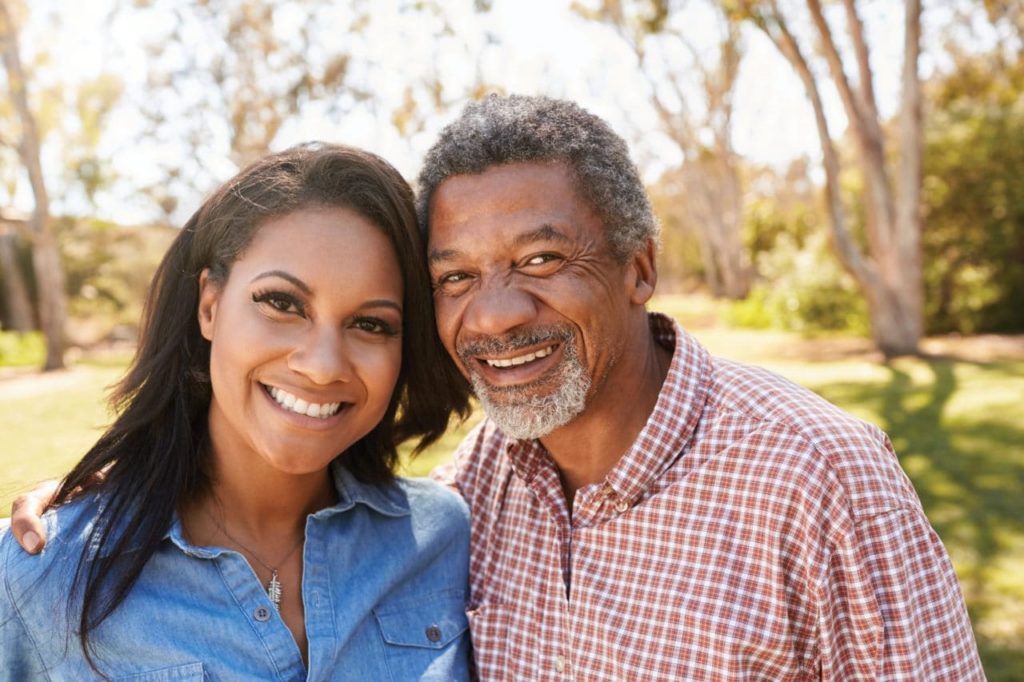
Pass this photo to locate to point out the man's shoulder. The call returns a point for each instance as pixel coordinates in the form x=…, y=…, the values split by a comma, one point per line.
x=818, y=442
x=764, y=396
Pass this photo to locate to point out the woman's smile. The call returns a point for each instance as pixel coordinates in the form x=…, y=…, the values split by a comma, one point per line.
x=296, y=405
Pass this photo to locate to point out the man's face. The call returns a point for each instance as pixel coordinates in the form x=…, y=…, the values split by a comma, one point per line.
x=529, y=299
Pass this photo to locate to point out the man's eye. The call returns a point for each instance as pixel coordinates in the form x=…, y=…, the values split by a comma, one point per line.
x=541, y=259
x=451, y=280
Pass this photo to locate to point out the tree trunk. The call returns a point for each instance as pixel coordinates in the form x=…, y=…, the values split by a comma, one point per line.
x=19, y=305
x=713, y=205
x=714, y=209
x=46, y=262
x=890, y=272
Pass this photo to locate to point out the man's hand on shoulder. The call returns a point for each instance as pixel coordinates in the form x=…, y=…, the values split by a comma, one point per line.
x=27, y=516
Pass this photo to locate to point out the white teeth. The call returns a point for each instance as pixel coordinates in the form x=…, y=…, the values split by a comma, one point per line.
x=522, y=359
x=299, y=406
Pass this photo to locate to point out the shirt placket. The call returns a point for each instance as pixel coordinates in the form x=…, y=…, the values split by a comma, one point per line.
x=557, y=663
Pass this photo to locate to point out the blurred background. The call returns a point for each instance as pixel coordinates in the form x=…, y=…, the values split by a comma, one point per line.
x=840, y=185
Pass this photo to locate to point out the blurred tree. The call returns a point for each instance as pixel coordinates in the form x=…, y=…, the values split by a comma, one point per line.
x=681, y=256
x=889, y=270
x=17, y=303
x=226, y=76
x=226, y=79
x=974, y=196
x=711, y=196
x=47, y=267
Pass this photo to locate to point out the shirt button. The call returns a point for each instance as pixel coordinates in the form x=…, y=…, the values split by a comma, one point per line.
x=434, y=633
x=622, y=507
x=560, y=664
x=261, y=613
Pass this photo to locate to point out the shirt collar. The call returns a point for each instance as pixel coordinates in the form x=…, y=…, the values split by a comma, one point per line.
x=675, y=416
x=670, y=425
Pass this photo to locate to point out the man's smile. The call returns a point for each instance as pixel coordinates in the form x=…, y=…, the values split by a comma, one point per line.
x=521, y=359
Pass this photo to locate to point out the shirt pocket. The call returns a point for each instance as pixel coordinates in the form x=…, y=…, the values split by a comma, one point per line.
x=426, y=637
x=190, y=672
x=504, y=646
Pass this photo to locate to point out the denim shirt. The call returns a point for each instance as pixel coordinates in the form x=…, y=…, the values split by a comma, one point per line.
x=384, y=589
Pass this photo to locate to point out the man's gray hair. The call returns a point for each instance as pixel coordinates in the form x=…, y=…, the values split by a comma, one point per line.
x=517, y=128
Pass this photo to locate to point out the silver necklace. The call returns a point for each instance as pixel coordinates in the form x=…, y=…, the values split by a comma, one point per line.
x=274, y=584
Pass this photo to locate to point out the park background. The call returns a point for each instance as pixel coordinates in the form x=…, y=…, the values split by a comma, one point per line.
x=840, y=185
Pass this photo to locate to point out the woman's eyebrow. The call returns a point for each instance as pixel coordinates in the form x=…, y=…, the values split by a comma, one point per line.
x=382, y=303
x=285, y=276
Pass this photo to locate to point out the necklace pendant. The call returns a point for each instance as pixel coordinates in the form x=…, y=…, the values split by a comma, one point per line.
x=274, y=590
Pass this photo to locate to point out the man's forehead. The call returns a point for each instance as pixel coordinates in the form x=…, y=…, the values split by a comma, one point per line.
x=523, y=190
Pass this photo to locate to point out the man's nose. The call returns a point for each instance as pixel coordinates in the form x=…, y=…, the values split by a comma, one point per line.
x=322, y=357
x=497, y=307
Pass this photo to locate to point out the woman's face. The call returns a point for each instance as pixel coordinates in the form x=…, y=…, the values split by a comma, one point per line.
x=306, y=341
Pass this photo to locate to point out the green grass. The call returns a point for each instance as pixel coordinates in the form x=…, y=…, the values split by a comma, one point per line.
x=956, y=424
x=47, y=424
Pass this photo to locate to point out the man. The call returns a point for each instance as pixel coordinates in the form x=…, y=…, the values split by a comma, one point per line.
x=641, y=510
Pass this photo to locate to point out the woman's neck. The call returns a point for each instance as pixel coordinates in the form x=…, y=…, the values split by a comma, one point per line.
x=260, y=501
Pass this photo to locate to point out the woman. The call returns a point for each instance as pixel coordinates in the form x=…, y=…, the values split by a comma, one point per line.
x=240, y=519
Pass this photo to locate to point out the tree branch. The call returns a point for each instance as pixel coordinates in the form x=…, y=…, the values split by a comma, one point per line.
x=846, y=248
x=860, y=49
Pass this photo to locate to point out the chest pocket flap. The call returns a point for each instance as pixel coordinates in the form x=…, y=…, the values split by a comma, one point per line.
x=429, y=623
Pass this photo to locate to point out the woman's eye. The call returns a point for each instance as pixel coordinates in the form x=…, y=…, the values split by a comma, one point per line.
x=280, y=302
x=375, y=325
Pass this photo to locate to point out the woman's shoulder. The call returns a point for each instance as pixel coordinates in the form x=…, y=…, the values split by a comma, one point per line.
x=426, y=496
x=68, y=529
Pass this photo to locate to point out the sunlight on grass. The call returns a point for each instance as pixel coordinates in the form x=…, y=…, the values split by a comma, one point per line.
x=49, y=424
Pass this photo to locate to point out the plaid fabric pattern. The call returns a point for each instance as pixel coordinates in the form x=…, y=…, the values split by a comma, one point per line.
x=752, y=532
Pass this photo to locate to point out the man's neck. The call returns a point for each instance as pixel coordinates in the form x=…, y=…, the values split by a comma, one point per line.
x=589, y=447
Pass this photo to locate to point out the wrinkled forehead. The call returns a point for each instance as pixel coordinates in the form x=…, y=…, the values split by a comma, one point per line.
x=543, y=190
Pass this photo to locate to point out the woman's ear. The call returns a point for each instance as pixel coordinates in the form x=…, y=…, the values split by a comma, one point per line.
x=209, y=293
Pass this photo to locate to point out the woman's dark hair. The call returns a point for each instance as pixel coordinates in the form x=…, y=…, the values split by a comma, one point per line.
x=154, y=455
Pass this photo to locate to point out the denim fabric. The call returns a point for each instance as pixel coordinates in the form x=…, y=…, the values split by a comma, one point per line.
x=384, y=587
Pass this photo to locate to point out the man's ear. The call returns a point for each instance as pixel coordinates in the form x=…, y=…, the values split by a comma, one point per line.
x=642, y=273
x=209, y=293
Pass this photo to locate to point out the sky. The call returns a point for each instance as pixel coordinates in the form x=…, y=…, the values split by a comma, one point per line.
x=526, y=46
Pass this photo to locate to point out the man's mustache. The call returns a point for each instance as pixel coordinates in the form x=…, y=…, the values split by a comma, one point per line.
x=513, y=341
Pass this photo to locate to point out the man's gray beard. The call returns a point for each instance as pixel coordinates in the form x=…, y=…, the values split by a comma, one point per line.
x=520, y=412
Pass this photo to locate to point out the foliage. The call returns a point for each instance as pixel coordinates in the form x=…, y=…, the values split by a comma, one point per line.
x=680, y=265
x=803, y=290
x=974, y=199
x=22, y=349
x=109, y=268
x=888, y=272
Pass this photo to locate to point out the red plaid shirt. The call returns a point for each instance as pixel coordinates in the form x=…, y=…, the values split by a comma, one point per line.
x=752, y=531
